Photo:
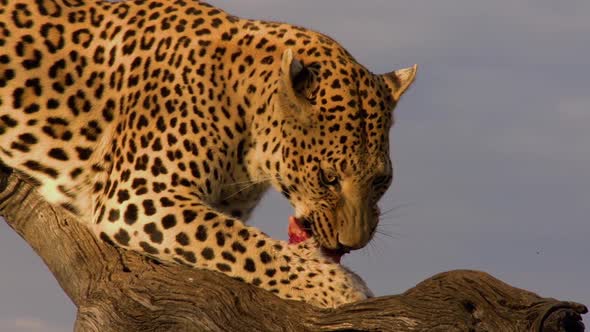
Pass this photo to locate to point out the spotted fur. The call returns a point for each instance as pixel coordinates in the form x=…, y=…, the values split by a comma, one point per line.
x=160, y=124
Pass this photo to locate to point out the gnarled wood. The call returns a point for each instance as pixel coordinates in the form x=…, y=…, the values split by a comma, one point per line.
x=118, y=290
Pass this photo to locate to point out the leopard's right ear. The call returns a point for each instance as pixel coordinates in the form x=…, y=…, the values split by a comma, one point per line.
x=399, y=81
x=296, y=85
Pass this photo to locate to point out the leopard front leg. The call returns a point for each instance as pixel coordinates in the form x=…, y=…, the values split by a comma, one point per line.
x=184, y=230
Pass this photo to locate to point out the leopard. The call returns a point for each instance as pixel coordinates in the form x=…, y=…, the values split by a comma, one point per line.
x=161, y=124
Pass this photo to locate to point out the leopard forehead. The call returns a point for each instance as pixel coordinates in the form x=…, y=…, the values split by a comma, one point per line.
x=346, y=124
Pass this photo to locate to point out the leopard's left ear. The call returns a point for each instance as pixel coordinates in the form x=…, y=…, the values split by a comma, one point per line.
x=296, y=82
x=400, y=80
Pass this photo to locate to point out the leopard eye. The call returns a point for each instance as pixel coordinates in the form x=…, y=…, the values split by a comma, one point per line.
x=328, y=179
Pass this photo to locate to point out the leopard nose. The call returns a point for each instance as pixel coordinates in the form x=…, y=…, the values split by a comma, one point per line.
x=355, y=234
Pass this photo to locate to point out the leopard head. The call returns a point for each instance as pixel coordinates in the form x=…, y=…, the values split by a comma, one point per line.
x=333, y=161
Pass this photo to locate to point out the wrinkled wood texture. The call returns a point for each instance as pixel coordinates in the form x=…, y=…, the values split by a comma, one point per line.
x=118, y=290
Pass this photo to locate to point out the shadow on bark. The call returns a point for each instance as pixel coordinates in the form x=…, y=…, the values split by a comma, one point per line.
x=119, y=290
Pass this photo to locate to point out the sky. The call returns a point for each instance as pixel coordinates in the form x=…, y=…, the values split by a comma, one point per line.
x=491, y=149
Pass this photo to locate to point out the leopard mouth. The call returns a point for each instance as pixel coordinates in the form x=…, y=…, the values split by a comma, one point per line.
x=306, y=225
x=301, y=229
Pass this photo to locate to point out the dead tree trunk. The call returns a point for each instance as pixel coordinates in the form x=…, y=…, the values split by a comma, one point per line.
x=118, y=290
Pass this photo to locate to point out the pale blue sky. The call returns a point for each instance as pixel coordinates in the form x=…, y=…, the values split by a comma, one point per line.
x=491, y=148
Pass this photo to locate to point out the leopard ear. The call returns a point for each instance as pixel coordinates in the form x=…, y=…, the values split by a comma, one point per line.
x=400, y=80
x=296, y=77
x=294, y=87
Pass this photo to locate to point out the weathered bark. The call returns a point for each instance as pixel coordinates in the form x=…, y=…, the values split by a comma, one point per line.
x=118, y=290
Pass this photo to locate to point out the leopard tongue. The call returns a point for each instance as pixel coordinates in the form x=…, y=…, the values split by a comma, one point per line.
x=296, y=232
x=297, y=235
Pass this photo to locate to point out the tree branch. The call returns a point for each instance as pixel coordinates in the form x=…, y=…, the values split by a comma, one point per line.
x=119, y=290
